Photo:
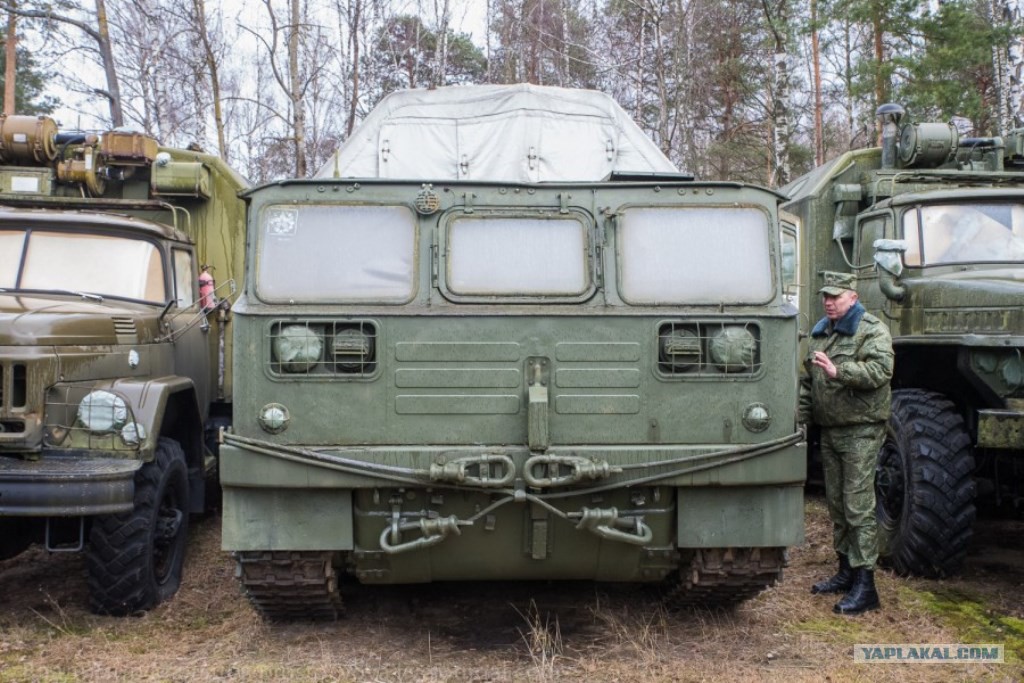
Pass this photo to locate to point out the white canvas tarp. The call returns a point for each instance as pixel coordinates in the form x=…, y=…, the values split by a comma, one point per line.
x=517, y=133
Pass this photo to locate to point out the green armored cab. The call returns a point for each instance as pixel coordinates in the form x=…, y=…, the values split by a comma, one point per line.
x=114, y=356
x=499, y=336
x=932, y=224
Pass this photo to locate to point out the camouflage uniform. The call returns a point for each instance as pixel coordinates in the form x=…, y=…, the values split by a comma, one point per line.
x=852, y=410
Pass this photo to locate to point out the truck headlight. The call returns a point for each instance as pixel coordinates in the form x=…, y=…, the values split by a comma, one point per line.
x=352, y=349
x=298, y=348
x=102, y=411
x=733, y=349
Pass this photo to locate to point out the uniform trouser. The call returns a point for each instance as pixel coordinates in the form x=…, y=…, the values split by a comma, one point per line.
x=849, y=455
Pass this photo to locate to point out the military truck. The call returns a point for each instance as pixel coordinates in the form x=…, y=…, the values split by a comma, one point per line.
x=500, y=336
x=933, y=226
x=114, y=364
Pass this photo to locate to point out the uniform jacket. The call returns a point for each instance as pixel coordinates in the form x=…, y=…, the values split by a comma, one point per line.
x=861, y=349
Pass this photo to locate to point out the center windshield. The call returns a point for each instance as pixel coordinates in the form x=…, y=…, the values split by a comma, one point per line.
x=964, y=233
x=102, y=265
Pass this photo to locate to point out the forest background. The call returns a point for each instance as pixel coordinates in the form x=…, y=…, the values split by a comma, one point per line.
x=749, y=90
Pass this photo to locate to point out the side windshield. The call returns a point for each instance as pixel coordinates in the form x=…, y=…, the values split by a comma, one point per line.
x=699, y=255
x=964, y=233
x=336, y=253
x=517, y=256
x=107, y=265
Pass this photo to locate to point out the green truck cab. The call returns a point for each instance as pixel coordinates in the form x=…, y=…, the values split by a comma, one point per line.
x=114, y=362
x=553, y=358
x=933, y=226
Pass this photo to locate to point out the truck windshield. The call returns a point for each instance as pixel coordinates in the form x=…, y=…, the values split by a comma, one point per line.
x=529, y=256
x=964, y=233
x=336, y=253
x=699, y=255
x=106, y=265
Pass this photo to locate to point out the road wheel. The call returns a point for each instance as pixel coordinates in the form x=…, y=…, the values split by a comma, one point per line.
x=923, y=484
x=135, y=558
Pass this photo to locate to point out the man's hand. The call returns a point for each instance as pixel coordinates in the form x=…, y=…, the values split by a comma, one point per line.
x=825, y=363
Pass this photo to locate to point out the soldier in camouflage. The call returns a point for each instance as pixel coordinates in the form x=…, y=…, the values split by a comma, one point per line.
x=846, y=392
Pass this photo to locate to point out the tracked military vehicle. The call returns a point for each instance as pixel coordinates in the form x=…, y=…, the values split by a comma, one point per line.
x=114, y=359
x=933, y=226
x=499, y=336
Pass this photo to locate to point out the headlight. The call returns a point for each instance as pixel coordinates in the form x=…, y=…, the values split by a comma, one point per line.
x=298, y=348
x=733, y=349
x=102, y=411
x=274, y=418
x=756, y=417
x=352, y=350
x=680, y=350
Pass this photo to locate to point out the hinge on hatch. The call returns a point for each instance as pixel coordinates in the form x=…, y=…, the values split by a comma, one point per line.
x=563, y=200
x=538, y=376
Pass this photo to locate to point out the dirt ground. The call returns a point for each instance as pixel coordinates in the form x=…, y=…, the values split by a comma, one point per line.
x=482, y=633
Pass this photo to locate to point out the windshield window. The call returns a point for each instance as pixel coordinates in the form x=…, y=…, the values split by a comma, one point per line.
x=528, y=256
x=964, y=233
x=333, y=253
x=700, y=255
x=107, y=265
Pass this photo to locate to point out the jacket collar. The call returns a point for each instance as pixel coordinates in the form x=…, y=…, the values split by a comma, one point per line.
x=846, y=325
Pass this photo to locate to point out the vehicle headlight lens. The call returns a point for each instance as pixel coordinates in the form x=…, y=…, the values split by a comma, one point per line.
x=298, y=348
x=680, y=350
x=102, y=411
x=733, y=349
x=352, y=350
x=756, y=417
x=274, y=418
x=133, y=434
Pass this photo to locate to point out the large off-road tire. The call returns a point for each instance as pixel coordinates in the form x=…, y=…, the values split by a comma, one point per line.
x=134, y=559
x=925, y=493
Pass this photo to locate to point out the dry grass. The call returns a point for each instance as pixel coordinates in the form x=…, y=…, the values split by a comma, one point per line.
x=480, y=633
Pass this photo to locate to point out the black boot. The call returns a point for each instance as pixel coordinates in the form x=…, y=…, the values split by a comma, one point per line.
x=862, y=597
x=840, y=583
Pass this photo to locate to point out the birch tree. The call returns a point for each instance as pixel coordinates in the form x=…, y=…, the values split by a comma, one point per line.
x=92, y=23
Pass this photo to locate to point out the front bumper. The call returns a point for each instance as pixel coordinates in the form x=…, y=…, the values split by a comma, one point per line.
x=66, y=486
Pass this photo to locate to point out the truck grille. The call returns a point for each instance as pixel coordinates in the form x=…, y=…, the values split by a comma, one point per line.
x=13, y=392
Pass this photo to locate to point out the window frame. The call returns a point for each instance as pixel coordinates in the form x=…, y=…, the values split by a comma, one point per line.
x=590, y=256
x=259, y=240
x=771, y=224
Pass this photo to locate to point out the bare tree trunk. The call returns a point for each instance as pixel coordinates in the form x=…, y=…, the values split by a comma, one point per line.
x=294, y=90
x=10, y=66
x=213, y=69
x=778, y=20
x=107, y=56
x=443, y=14
x=355, y=26
x=880, y=89
x=819, y=128
x=1010, y=67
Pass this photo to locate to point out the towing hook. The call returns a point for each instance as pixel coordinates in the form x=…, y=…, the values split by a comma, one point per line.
x=603, y=522
x=492, y=470
x=434, y=531
x=580, y=469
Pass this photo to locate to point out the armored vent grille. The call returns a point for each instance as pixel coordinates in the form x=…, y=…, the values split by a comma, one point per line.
x=124, y=327
x=324, y=349
x=709, y=348
x=13, y=386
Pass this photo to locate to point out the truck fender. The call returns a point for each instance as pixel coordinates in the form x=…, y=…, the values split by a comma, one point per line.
x=166, y=406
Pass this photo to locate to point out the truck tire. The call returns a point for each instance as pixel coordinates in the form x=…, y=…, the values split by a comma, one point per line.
x=134, y=559
x=923, y=484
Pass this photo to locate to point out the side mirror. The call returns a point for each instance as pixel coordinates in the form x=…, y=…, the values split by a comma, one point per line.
x=889, y=264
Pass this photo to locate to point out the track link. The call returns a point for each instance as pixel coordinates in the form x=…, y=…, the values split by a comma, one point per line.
x=289, y=586
x=724, y=577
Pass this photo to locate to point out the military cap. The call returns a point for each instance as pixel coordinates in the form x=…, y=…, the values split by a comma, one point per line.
x=837, y=283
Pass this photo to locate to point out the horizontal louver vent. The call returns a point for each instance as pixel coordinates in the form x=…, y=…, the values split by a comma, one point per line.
x=124, y=327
